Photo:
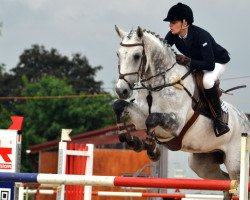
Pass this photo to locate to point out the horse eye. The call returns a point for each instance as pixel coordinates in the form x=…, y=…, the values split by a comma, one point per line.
x=117, y=54
x=137, y=56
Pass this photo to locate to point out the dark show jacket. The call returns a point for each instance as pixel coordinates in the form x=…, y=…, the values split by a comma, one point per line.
x=201, y=47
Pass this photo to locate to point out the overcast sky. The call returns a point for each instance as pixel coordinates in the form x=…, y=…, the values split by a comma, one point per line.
x=87, y=27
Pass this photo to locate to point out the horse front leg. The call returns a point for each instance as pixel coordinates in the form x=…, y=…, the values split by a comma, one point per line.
x=168, y=123
x=121, y=109
x=136, y=116
x=165, y=123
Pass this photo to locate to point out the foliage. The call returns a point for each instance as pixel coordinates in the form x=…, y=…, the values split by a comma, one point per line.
x=37, y=62
x=5, y=121
x=40, y=73
x=44, y=118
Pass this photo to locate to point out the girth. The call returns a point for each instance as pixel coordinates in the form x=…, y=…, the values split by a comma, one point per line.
x=176, y=143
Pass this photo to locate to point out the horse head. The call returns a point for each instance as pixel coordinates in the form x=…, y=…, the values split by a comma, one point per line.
x=140, y=54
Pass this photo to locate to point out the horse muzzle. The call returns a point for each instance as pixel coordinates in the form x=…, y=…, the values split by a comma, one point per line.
x=123, y=90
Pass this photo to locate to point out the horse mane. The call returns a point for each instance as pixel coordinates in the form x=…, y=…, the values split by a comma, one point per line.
x=162, y=40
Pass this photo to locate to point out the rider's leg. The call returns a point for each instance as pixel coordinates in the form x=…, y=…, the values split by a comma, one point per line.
x=212, y=94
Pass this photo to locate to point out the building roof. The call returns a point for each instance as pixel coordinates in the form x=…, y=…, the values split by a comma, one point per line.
x=103, y=136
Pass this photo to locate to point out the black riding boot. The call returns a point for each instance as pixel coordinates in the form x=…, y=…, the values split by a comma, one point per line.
x=213, y=97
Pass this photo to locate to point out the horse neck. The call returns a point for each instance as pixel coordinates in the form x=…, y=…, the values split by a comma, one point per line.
x=161, y=59
x=159, y=56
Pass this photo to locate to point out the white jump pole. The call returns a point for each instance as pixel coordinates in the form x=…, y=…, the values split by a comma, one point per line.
x=62, y=160
x=244, y=167
x=89, y=171
x=135, y=194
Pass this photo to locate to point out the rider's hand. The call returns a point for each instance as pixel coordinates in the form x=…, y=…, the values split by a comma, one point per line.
x=183, y=60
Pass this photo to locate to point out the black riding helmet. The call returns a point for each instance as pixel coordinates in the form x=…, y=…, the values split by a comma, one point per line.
x=180, y=11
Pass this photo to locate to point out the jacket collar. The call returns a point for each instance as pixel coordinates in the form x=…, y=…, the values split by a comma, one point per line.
x=190, y=34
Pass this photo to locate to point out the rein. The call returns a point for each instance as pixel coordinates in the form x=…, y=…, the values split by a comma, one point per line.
x=158, y=88
x=142, y=68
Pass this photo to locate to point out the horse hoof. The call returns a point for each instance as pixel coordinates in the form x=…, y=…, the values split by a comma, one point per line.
x=122, y=138
x=118, y=107
x=154, y=155
x=138, y=144
x=135, y=144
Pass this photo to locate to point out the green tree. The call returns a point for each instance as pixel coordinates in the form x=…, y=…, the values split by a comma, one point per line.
x=42, y=72
x=37, y=62
x=5, y=115
x=44, y=118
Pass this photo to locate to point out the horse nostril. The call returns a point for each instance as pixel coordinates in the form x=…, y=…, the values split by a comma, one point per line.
x=125, y=92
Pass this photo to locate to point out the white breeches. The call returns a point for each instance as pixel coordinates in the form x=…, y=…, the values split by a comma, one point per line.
x=210, y=77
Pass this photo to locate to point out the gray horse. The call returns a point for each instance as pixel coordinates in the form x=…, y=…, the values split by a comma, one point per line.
x=148, y=68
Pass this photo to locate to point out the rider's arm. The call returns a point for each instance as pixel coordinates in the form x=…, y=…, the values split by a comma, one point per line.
x=207, y=60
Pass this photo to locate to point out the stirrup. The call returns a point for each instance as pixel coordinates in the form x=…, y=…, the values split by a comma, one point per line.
x=220, y=128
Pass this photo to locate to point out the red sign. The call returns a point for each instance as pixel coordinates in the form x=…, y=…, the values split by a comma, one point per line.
x=4, y=152
x=5, y=166
x=8, y=147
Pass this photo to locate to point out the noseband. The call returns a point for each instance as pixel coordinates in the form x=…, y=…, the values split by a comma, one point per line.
x=142, y=64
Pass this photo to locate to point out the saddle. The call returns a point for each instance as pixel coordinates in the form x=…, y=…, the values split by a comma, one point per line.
x=204, y=106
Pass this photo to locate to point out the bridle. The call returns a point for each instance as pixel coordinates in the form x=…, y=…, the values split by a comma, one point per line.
x=141, y=67
x=141, y=72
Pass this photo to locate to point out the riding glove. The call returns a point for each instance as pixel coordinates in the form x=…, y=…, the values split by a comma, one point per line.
x=183, y=60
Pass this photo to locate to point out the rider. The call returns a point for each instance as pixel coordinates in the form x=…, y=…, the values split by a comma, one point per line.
x=200, y=52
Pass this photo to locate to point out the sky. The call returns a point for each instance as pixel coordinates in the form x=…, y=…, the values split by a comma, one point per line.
x=87, y=27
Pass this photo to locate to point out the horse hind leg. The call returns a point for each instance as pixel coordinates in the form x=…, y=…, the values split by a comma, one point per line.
x=207, y=166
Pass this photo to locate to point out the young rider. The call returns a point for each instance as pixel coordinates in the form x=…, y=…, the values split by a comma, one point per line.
x=200, y=52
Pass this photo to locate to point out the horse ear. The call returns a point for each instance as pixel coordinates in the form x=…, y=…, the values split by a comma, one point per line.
x=139, y=32
x=120, y=32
